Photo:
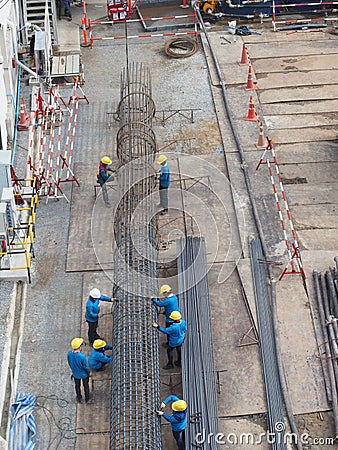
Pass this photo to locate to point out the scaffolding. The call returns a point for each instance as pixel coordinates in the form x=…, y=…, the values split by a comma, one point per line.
x=135, y=365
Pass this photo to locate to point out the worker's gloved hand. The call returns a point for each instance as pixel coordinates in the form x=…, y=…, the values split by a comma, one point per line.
x=90, y=374
x=155, y=325
x=162, y=405
x=114, y=299
x=159, y=413
x=71, y=377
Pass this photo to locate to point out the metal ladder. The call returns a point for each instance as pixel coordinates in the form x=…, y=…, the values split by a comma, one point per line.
x=34, y=12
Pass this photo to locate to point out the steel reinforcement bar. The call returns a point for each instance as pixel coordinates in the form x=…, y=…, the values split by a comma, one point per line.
x=198, y=372
x=273, y=393
x=135, y=365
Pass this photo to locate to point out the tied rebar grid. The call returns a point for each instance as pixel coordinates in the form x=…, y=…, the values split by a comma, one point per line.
x=135, y=365
x=198, y=371
x=273, y=391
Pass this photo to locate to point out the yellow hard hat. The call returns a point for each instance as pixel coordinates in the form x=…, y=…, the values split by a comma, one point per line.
x=161, y=159
x=99, y=343
x=76, y=343
x=106, y=160
x=179, y=405
x=175, y=315
x=165, y=288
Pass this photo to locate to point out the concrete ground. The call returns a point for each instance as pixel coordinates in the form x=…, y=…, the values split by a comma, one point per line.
x=74, y=241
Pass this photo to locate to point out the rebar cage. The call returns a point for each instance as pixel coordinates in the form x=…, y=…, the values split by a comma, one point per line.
x=135, y=365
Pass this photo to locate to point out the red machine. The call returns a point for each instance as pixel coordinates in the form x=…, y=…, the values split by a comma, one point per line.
x=119, y=10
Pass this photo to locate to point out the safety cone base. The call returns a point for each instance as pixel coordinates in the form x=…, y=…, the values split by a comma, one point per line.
x=252, y=87
x=250, y=118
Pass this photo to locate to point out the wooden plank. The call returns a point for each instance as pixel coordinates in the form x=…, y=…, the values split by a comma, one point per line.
x=94, y=417
x=66, y=65
x=281, y=37
x=319, y=172
x=288, y=49
x=300, y=107
x=307, y=152
x=94, y=250
x=300, y=120
x=275, y=80
x=319, y=240
x=298, y=94
x=322, y=216
x=288, y=136
x=311, y=194
x=292, y=64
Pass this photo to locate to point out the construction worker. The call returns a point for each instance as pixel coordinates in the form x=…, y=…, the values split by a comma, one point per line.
x=178, y=418
x=38, y=47
x=68, y=12
x=176, y=333
x=97, y=359
x=92, y=312
x=164, y=182
x=169, y=302
x=80, y=371
x=103, y=176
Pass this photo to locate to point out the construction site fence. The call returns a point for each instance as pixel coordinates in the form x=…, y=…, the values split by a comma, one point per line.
x=90, y=24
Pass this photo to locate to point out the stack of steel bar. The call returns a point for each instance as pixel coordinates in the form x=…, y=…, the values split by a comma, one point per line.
x=273, y=392
x=198, y=372
x=135, y=365
x=326, y=287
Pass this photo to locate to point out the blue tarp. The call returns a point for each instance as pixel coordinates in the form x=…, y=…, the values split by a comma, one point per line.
x=22, y=431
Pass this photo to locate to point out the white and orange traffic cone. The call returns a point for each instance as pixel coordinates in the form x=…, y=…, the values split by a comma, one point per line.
x=250, y=86
x=23, y=123
x=251, y=112
x=244, y=58
x=261, y=139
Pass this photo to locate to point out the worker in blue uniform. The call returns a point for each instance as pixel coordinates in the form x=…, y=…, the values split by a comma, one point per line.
x=80, y=371
x=92, y=312
x=169, y=303
x=103, y=176
x=178, y=418
x=164, y=182
x=176, y=333
x=97, y=359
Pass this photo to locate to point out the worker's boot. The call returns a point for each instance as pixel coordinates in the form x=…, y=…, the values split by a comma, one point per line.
x=168, y=366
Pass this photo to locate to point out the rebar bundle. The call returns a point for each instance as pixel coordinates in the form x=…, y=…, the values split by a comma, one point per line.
x=135, y=365
x=273, y=391
x=326, y=288
x=198, y=372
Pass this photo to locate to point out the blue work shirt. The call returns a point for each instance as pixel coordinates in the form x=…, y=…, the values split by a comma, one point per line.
x=93, y=308
x=164, y=176
x=78, y=364
x=103, y=173
x=169, y=304
x=176, y=333
x=97, y=358
x=178, y=419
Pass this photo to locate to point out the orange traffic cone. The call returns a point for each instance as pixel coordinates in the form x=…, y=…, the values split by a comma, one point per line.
x=24, y=118
x=250, y=84
x=244, y=59
x=261, y=139
x=251, y=113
